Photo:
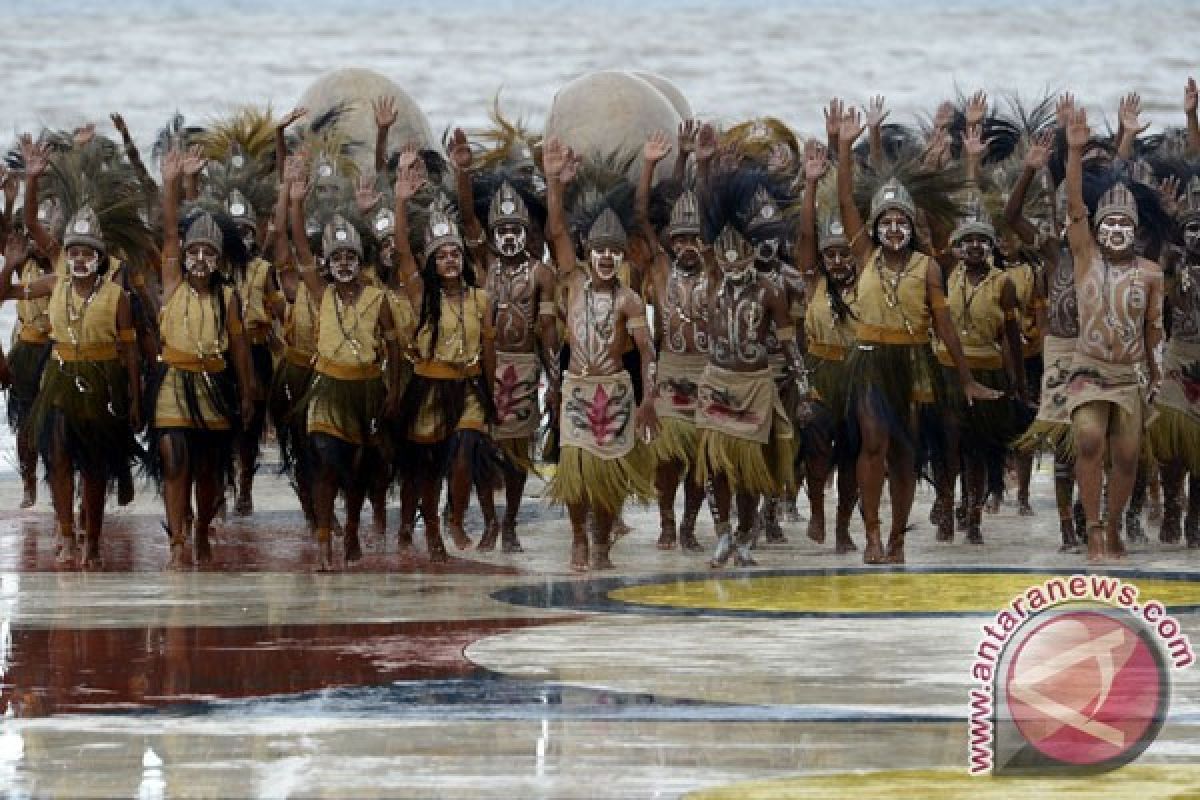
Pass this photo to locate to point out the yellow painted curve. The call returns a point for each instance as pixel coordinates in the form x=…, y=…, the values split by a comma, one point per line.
x=882, y=592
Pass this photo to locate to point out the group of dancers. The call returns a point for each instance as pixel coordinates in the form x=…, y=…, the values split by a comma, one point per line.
x=762, y=312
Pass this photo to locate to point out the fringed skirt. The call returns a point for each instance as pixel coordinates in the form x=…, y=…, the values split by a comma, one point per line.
x=438, y=419
x=746, y=434
x=196, y=410
x=82, y=412
x=826, y=433
x=289, y=386
x=26, y=361
x=1174, y=435
x=584, y=478
x=1051, y=430
x=901, y=386
x=986, y=427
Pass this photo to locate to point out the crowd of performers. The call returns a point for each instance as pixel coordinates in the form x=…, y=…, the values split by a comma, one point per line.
x=756, y=315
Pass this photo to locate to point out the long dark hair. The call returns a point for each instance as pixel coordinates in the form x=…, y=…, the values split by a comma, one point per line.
x=431, y=295
x=837, y=304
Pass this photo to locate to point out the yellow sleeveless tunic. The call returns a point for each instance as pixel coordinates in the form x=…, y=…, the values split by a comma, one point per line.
x=253, y=292
x=826, y=337
x=1022, y=277
x=348, y=348
x=978, y=318
x=300, y=329
x=891, y=307
x=83, y=329
x=33, y=324
x=192, y=341
x=458, y=355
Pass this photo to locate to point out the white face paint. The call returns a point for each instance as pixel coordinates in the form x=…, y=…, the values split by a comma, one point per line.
x=200, y=263
x=974, y=249
x=510, y=242
x=895, y=234
x=1115, y=233
x=343, y=266
x=606, y=262
x=85, y=267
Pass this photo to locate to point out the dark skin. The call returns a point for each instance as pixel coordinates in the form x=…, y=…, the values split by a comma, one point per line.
x=560, y=165
x=195, y=471
x=514, y=334
x=691, y=255
x=385, y=118
x=410, y=177
x=61, y=473
x=880, y=455
x=18, y=251
x=819, y=462
x=325, y=485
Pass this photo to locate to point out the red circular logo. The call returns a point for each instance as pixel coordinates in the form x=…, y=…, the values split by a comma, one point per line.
x=1087, y=688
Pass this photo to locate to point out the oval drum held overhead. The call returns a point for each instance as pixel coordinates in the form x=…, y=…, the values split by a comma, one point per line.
x=608, y=112
x=359, y=88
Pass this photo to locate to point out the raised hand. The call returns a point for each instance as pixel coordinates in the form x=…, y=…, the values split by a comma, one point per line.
x=16, y=250
x=1168, y=190
x=815, y=161
x=410, y=154
x=686, y=139
x=291, y=116
x=194, y=161
x=1190, y=96
x=1077, y=129
x=365, y=195
x=833, y=117
x=657, y=147
x=460, y=150
x=977, y=107
x=973, y=143
x=385, y=111
x=1038, y=154
x=119, y=123
x=84, y=134
x=938, y=147
x=295, y=176
x=410, y=180
x=706, y=142
x=36, y=156
x=1129, y=112
x=172, y=166
x=1065, y=109
x=875, y=112
x=852, y=125
x=554, y=157
x=571, y=168
x=944, y=116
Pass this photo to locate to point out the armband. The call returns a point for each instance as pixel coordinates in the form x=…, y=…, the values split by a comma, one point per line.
x=635, y=323
x=547, y=308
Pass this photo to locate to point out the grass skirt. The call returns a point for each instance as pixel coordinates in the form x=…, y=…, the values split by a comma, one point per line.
x=351, y=410
x=1174, y=436
x=92, y=426
x=26, y=361
x=603, y=483
x=747, y=465
x=289, y=386
x=677, y=440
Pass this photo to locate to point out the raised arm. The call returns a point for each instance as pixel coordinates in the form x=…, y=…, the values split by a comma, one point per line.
x=860, y=240
x=37, y=159
x=875, y=117
x=973, y=148
x=410, y=177
x=557, y=163
x=1035, y=160
x=1078, y=231
x=944, y=326
x=1190, y=97
x=815, y=165
x=1129, y=125
x=296, y=187
x=172, y=269
x=833, y=124
x=385, y=118
x=281, y=151
x=657, y=148
x=193, y=164
x=687, y=144
x=460, y=157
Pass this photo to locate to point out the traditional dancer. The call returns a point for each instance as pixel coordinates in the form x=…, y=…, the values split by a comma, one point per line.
x=524, y=316
x=899, y=299
x=1120, y=315
x=604, y=455
x=194, y=398
x=678, y=288
x=88, y=404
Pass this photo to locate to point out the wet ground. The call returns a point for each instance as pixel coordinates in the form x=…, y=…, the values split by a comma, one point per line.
x=505, y=675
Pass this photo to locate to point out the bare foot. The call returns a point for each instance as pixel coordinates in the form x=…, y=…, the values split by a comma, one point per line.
x=325, y=555
x=1024, y=509
x=68, y=551
x=487, y=542
x=689, y=543
x=29, y=498
x=1095, y=544
x=579, y=556
x=844, y=545
x=1114, y=545
x=179, y=559
x=666, y=539
x=353, y=547
x=816, y=529
x=874, y=553
x=91, y=557
x=601, y=561
x=461, y=540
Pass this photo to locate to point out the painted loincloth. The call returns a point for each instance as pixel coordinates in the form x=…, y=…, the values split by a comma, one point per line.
x=1175, y=432
x=745, y=405
x=516, y=395
x=1051, y=430
x=1093, y=380
x=677, y=384
x=598, y=414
